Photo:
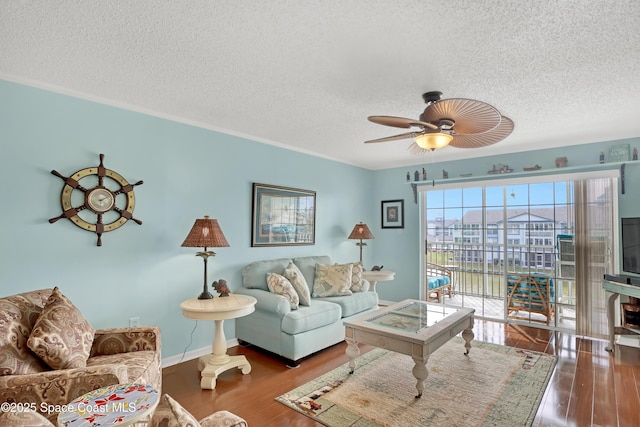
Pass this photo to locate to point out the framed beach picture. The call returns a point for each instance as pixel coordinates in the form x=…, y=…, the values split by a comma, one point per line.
x=392, y=213
x=283, y=216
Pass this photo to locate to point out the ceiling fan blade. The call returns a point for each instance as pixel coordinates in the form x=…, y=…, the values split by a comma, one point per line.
x=470, y=116
x=416, y=149
x=484, y=139
x=400, y=122
x=395, y=137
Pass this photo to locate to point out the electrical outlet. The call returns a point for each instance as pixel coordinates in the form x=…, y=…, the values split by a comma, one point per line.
x=134, y=321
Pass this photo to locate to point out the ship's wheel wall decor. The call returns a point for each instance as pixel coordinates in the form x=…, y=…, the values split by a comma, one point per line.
x=97, y=199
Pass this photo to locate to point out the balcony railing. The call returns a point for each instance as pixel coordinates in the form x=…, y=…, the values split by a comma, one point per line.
x=481, y=271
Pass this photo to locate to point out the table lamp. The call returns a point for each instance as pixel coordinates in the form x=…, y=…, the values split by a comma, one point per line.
x=205, y=233
x=361, y=231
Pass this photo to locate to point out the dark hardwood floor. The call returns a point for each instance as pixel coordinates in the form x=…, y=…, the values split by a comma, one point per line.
x=589, y=387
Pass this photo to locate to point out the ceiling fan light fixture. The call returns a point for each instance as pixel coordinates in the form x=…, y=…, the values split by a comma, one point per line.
x=433, y=141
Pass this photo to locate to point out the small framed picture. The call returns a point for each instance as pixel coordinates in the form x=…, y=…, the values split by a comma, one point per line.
x=392, y=213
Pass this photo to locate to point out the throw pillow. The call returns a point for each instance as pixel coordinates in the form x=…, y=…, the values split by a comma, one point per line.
x=170, y=413
x=223, y=419
x=18, y=314
x=24, y=418
x=299, y=283
x=61, y=337
x=357, y=284
x=332, y=280
x=280, y=285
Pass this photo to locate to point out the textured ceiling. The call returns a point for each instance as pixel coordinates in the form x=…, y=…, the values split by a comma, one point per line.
x=306, y=74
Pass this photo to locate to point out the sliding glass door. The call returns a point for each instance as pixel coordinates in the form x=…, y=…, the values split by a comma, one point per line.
x=511, y=246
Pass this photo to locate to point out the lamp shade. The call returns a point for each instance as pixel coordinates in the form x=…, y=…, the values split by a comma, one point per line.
x=205, y=233
x=433, y=141
x=361, y=231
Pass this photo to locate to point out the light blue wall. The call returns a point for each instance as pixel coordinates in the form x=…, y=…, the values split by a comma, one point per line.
x=399, y=250
x=188, y=172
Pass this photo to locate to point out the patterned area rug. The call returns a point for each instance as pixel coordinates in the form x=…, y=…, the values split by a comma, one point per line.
x=493, y=386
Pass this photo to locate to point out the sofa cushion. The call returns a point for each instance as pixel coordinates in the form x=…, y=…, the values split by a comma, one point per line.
x=354, y=304
x=18, y=314
x=254, y=275
x=170, y=413
x=61, y=336
x=141, y=365
x=434, y=282
x=299, y=283
x=332, y=280
x=317, y=315
x=307, y=266
x=280, y=285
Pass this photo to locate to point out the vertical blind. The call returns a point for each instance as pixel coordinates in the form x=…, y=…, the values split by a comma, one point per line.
x=594, y=228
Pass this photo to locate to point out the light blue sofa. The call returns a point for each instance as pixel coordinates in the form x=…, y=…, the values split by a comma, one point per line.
x=294, y=334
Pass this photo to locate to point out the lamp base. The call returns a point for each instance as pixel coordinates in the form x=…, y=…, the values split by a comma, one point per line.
x=205, y=295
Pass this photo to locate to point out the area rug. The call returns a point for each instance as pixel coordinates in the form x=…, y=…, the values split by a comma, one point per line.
x=493, y=386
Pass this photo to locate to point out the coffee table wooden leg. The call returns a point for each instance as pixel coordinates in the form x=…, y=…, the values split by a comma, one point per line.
x=420, y=372
x=353, y=352
x=467, y=334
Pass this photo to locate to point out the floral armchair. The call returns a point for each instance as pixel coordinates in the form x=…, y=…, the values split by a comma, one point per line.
x=50, y=355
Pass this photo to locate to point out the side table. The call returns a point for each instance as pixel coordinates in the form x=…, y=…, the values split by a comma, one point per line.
x=114, y=405
x=378, y=276
x=219, y=309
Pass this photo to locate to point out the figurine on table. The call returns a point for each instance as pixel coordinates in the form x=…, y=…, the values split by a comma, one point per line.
x=221, y=287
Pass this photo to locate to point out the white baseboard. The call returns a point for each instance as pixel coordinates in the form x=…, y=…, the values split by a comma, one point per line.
x=194, y=354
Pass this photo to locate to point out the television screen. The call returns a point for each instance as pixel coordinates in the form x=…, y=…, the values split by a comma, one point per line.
x=631, y=245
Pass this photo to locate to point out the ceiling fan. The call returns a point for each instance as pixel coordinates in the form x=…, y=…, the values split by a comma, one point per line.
x=459, y=122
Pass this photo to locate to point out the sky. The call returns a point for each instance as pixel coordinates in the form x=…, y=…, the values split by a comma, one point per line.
x=454, y=203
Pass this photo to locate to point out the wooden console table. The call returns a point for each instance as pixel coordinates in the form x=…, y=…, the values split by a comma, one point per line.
x=616, y=290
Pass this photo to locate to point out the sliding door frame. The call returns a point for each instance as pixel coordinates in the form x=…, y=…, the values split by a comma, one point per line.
x=505, y=182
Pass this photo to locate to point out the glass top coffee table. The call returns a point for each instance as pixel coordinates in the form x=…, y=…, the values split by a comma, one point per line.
x=410, y=327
